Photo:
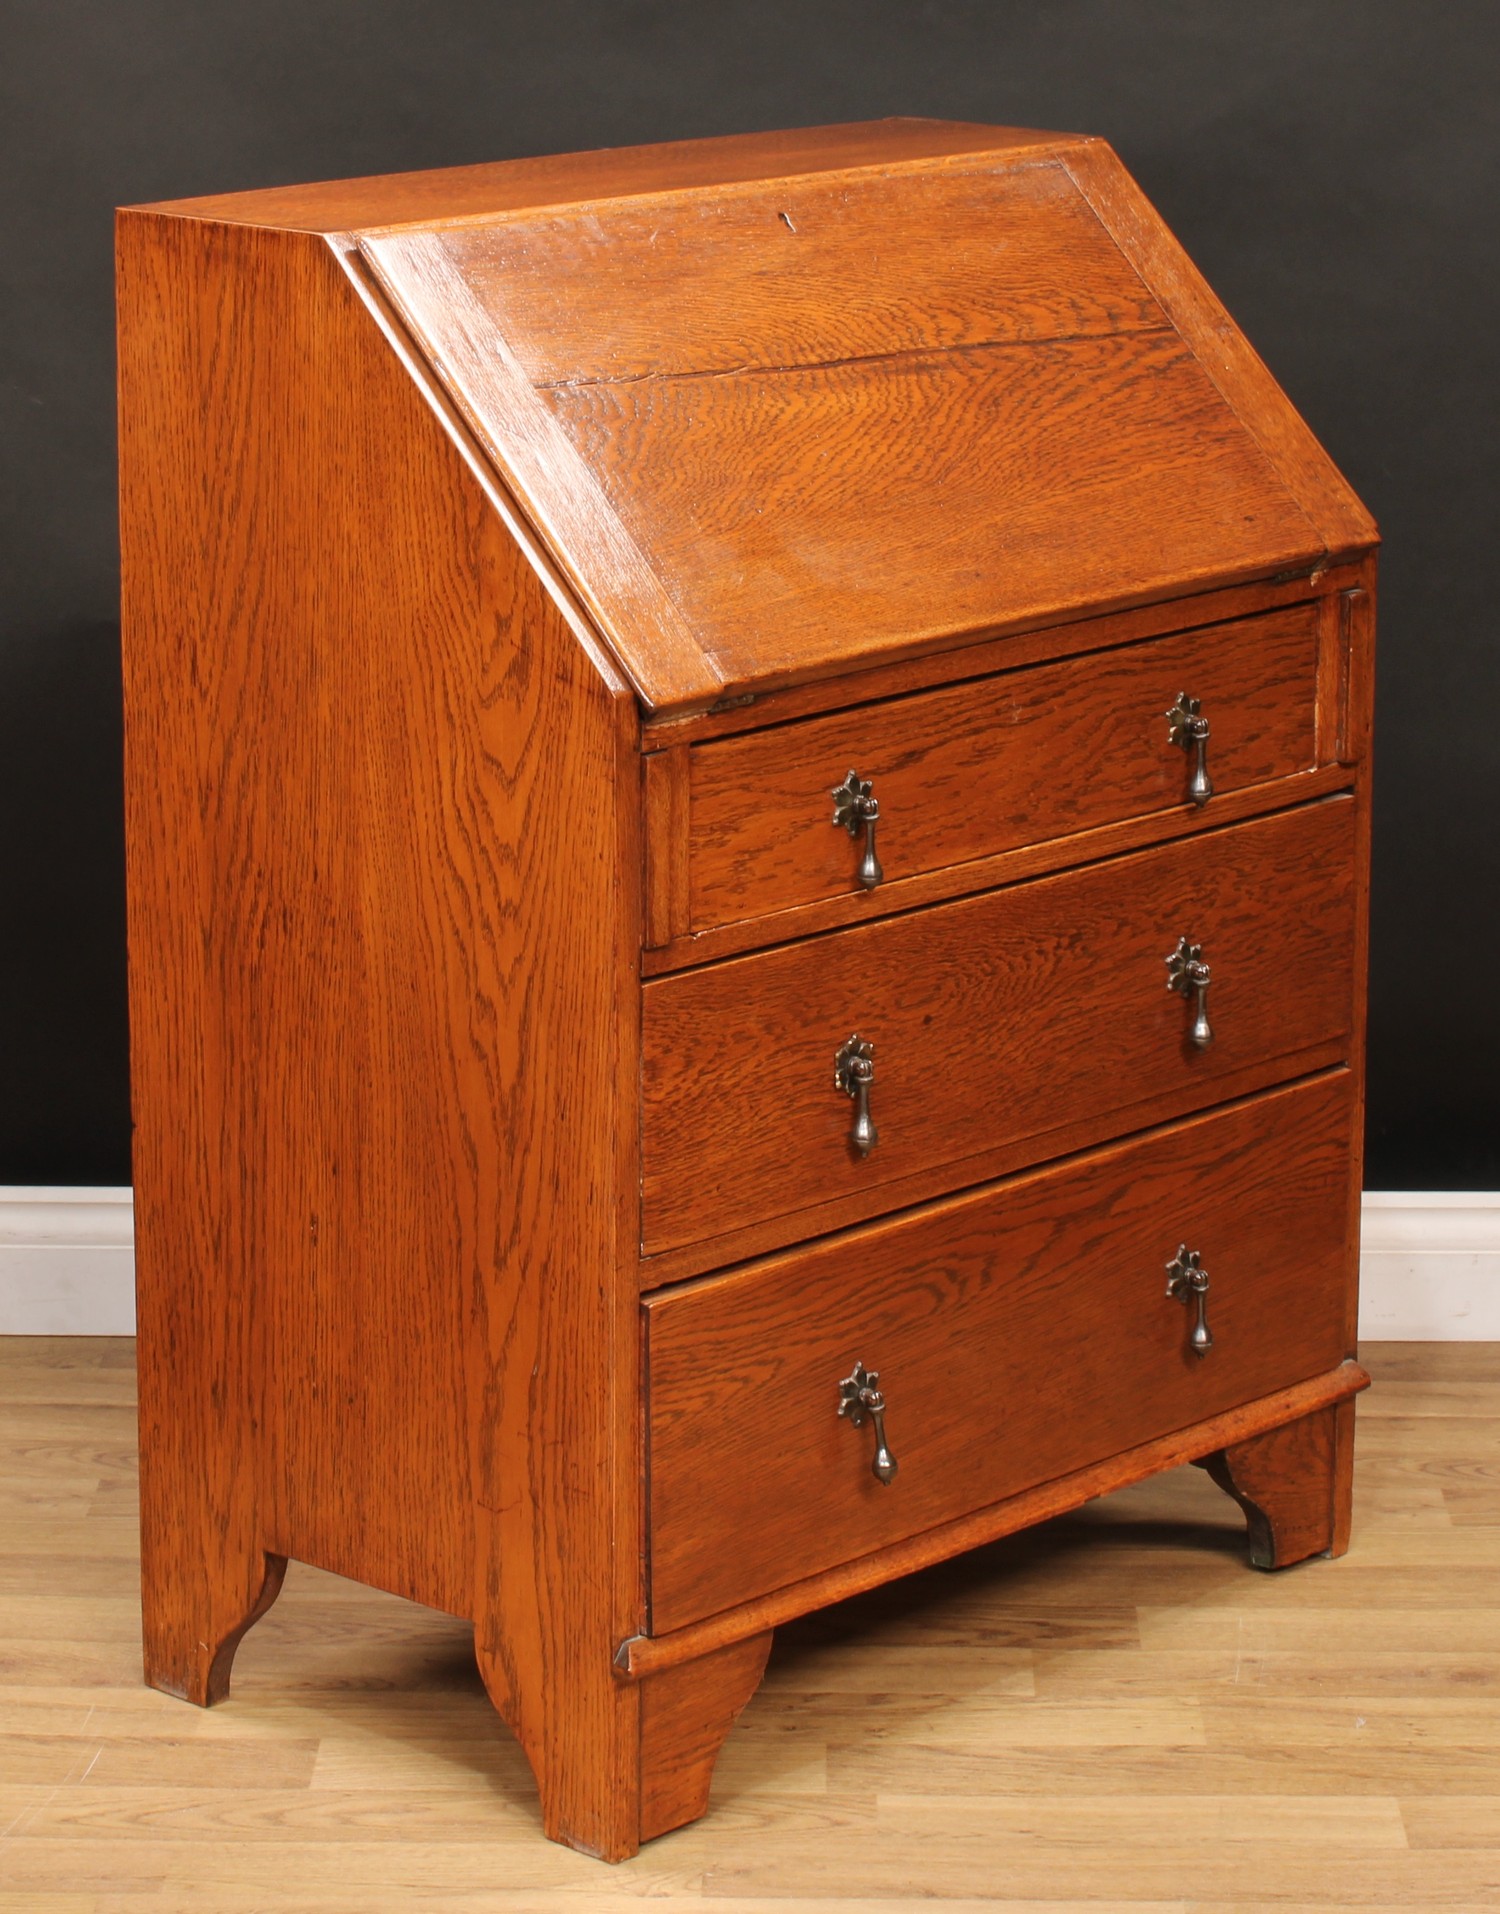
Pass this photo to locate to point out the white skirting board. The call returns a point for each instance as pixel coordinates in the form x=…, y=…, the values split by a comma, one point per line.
x=67, y=1261
x=1430, y=1264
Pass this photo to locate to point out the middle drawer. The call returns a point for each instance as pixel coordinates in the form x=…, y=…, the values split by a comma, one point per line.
x=993, y=1019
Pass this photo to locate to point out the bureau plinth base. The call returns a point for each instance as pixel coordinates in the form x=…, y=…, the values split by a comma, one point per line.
x=1294, y=1484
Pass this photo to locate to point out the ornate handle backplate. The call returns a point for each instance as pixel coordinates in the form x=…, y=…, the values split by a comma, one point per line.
x=859, y=1396
x=854, y=1072
x=1189, y=730
x=1188, y=975
x=856, y=808
x=1187, y=1282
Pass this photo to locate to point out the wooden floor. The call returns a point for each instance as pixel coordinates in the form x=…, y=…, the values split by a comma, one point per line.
x=1111, y=1712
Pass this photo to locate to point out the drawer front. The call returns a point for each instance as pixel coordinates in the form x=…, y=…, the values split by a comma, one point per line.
x=978, y=768
x=993, y=1019
x=1018, y=1332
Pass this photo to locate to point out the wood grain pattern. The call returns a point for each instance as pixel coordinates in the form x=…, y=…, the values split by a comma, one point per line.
x=996, y=311
x=686, y=1712
x=978, y=658
x=604, y=566
x=645, y=1654
x=811, y=518
x=1106, y=1709
x=666, y=822
x=1357, y=678
x=1362, y=670
x=554, y=1348
x=1344, y=524
x=1020, y=1333
x=348, y=1035
x=997, y=1017
x=979, y=768
x=264, y=915
x=826, y=269
x=438, y=494
x=693, y=948
x=1294, y=1484
x=453, y=193
x=668, y=333
x=828, y=1214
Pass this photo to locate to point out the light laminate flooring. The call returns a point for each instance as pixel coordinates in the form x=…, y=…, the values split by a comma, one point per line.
x=1110, y=1712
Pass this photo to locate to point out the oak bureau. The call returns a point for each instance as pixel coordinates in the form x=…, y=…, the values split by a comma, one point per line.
x=747, y=856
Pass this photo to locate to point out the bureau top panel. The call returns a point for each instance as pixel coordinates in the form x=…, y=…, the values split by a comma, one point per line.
x=782, y=411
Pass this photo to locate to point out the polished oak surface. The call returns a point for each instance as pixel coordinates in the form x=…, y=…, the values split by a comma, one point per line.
x=978, y=768
x=488, y=538
x=344, y=1026
x=843, y=270
x=1005, y=1016
x=827, y=494
x=1113, y=396
x=1018, y=1332
x=448, y=193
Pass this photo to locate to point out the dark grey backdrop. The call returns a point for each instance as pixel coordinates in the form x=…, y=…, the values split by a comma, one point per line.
x=1331, y=164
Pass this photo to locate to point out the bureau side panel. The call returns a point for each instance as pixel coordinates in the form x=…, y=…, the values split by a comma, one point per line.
x=308, y=569
x=1357, y=646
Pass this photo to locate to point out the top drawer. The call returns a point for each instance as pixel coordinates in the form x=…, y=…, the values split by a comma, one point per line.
x=986, y=766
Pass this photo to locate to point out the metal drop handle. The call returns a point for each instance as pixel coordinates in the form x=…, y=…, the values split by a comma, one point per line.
x=1189, y=730
x=1187, y=1282
x=856, y=808
x=859, y=1396
x=1188, y=974
x=853, y=1073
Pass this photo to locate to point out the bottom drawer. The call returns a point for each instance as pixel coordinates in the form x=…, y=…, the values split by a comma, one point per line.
x=1019, y=1332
